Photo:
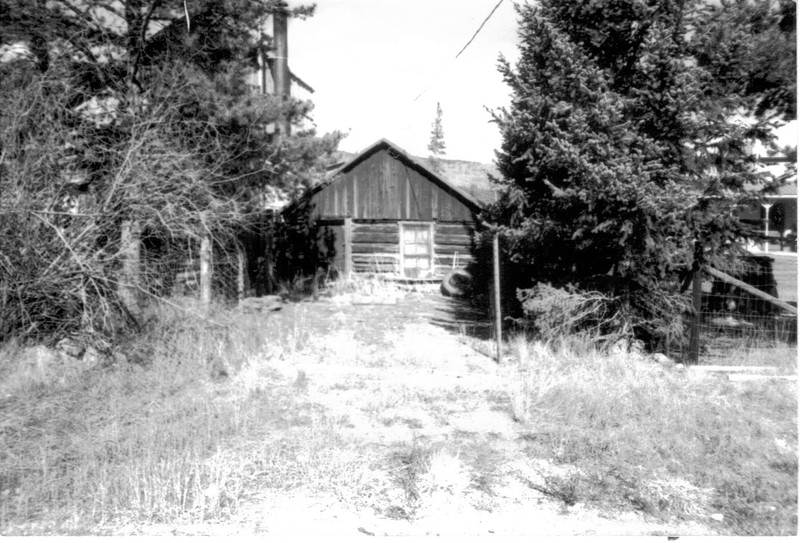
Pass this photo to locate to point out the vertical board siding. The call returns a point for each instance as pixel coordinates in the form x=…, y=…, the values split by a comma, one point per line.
x=352, y=210
x=385, y=187
x=336, y=209
x=406, y=196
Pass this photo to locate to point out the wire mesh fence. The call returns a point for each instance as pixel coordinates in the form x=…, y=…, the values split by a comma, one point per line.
x=749, y=325
x=171, y=269
x=739, y=320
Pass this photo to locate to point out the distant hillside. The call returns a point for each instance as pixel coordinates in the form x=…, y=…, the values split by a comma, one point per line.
x=471, y=177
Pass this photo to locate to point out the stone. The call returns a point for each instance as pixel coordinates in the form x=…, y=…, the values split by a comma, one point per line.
x=260, y=304
x=91, y=356
x=70, y=347
x=119, y=359
x=627, y=346
x=662, y=360
x=637, y=347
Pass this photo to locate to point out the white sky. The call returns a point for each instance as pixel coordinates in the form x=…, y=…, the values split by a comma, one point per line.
x=368, y=60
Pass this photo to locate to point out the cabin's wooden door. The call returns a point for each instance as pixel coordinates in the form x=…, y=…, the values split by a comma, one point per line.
x=416, y=244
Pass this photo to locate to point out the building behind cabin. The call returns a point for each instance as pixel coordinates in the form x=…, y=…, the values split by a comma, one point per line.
x=775, y=213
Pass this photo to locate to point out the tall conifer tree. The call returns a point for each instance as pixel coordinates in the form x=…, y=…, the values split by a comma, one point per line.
x=618, y=152
x=436, y=145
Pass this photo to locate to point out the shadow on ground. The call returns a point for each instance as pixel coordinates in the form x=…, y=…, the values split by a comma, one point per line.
x=466, y=316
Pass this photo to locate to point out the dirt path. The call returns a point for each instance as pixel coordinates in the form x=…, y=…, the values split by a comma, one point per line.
x=398, y=381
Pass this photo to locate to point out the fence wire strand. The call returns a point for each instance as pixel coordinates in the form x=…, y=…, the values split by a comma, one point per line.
x=171, y=269
x=736, y=324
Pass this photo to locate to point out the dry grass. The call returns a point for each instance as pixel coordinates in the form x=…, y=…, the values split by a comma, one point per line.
x=782, y=357
x=365, y=285
x=187, y=429
x=644, y=437
x=204, y=419
x=218, y=423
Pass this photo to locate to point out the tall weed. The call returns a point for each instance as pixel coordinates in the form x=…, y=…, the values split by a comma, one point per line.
x=138, y=440
x=652, y=439
x=189, y=429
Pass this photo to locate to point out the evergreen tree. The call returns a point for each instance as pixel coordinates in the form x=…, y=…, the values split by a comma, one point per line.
x=750, y=50
x=436, y=145
x=619, y=151
x=141, y=110
x=138, y=52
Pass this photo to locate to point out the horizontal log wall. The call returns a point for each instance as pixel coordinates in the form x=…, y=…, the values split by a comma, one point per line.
x=452, y=247
x=376, y=233
x=382, y=264
x=376, y=247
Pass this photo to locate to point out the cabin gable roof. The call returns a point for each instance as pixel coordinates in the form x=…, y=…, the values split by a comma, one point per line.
x=398, y=153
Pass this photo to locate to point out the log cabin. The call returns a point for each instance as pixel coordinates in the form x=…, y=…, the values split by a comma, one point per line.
x=388, y=214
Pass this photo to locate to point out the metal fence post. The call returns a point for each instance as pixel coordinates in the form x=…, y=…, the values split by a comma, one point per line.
x=498, y=320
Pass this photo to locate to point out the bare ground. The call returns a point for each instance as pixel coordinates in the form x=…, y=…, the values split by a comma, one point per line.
x=437, y=395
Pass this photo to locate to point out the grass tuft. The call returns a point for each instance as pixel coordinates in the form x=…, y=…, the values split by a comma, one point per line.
x=208, y=422
x=196, y=423
x=652, y=439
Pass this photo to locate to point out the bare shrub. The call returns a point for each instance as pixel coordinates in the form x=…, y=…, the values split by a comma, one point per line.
x=593, y=317
x=555, y=313
x=70, y=181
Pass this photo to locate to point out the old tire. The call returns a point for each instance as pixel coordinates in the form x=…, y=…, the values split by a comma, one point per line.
x=457, y=283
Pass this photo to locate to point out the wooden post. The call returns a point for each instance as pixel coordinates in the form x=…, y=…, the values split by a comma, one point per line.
x=697, y=307
x=766, y=226
x=268, y=237
x=281, y=75
x=86, y=319
x=130, y=252
x=205, y=271
x=348, y=247
x=239, y=273
x=498, y=322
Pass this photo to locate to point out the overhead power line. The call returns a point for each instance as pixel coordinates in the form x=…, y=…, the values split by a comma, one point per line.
x=479, y=28
x=475, y=35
